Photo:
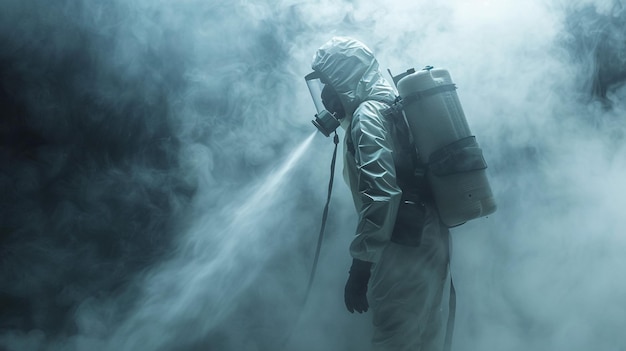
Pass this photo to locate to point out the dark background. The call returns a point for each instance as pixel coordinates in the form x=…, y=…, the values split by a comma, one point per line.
x=136, y=138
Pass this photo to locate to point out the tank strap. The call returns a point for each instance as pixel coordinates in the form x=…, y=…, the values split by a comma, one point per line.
x=412, y=98
x=394, y=113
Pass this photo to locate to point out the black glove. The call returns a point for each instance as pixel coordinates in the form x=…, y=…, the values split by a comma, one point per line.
x=356, y=287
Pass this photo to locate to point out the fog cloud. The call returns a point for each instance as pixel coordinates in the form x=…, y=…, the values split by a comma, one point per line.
x=162, y=188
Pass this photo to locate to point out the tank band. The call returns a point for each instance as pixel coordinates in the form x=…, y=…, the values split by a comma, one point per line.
x=414, y=97
x=461, y=156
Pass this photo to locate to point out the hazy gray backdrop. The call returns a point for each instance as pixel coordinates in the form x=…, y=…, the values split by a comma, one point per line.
x=161, y=187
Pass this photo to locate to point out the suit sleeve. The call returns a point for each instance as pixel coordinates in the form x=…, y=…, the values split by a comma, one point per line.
x=377, y=189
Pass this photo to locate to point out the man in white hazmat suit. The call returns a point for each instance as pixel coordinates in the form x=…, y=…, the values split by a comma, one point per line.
x=401, y=248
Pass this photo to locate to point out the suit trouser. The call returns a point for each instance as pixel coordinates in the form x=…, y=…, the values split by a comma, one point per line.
x=406, y=290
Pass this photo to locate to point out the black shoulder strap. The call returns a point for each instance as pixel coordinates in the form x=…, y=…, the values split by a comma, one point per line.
x=394, y=113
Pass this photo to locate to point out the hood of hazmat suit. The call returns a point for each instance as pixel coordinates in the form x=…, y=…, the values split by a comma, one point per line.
x=352, y=70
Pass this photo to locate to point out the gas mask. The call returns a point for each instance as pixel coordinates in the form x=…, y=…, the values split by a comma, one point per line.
x=327, y=102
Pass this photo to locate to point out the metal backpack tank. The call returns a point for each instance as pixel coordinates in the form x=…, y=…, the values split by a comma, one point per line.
x=456, y=166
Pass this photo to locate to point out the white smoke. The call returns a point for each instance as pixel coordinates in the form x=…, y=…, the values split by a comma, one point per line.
x=542, y=273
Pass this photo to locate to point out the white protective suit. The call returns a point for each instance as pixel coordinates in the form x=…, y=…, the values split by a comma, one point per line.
x=407, y=282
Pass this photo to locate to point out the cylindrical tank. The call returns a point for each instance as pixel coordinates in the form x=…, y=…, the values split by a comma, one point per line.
x=443, y=139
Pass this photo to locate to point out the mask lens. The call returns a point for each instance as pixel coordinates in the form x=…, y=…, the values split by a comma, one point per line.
x=325, y=99
x=315, y=86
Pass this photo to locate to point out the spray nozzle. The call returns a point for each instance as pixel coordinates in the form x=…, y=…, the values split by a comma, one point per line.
x=326, y=122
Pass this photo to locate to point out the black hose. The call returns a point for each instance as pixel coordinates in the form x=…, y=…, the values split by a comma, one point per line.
x=324, y=218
